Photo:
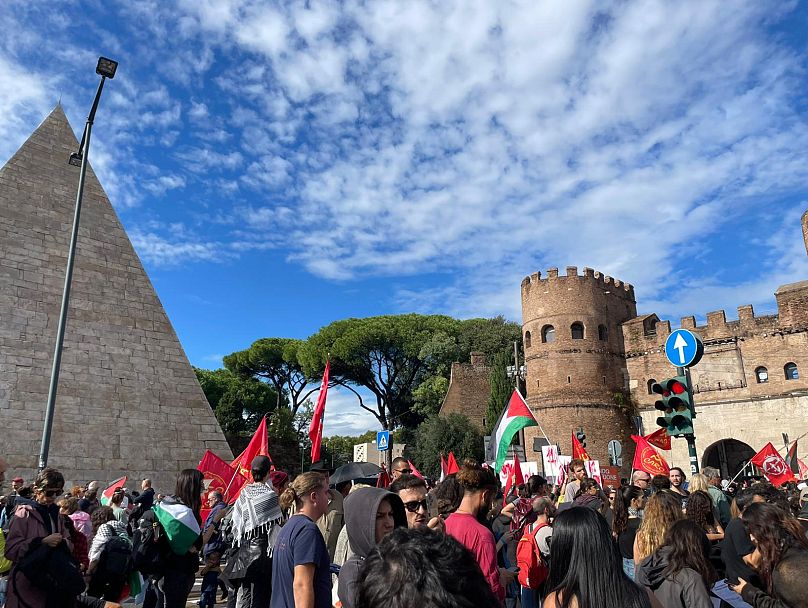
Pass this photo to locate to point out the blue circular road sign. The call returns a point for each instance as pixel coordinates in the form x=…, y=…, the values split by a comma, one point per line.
x=683, y=348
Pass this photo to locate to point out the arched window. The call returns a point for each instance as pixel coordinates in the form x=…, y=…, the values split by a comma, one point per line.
x=761, y=375
x=792, y=373
x=548, y=334
x=651, y=383
x=577, y=331
x=527, y=339
x=603, y=333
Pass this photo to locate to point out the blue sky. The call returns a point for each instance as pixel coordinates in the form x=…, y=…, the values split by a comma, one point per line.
x=282, y=165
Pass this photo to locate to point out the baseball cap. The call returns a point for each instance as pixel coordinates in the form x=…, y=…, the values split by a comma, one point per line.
x=18, y=480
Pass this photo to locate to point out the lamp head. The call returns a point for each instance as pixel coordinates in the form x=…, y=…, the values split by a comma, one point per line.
x=75, y=159
x=106, y=67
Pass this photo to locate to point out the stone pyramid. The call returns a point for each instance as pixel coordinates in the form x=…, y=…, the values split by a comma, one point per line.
x=128, y=401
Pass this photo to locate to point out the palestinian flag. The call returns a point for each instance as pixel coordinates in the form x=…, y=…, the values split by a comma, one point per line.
x=179, y=523
x=516, y=417
x=106, y=495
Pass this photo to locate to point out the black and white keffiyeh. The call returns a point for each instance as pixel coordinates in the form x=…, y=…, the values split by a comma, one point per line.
x=109, y=530
x=257, y=512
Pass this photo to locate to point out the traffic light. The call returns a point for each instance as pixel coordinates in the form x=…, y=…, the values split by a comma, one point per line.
x=581, y=437
x=676, y=404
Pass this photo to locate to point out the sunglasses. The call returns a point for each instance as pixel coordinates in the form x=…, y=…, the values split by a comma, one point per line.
x=407, y=471
x=51, y=492
x=414, y=505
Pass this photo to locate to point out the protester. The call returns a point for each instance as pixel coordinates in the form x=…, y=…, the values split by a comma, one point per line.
x=641, y=479
x=698, y=483
x=660, y=483
x=586, y=569
x=448, y=495
x=400, y=466
x=577, y=472
x=700, y=510
x=116, y=502
x=628, y=503
x=780, y=558
x=720, y=501
x=35, y=523
x=678, y=478
x=370, y=515
x=679, y=573
x=412, y=492
x=300, y=568
x=539, y=532
x=78, y=539
x=256, y=520
x=91, y=495
x=589, y=495
x=331, y=522
x=105, y=582
x=279, y=480
x=417, y=568
x=11, y=500
x=521, y=510
x=479, y=489
x=661, y=511
x=80, y=519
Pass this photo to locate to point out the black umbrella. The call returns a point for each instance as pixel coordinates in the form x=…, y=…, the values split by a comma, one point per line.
x=354, y=470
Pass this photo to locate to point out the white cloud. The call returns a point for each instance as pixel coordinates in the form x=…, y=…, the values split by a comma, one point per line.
x=165, y=251
x=344, y=416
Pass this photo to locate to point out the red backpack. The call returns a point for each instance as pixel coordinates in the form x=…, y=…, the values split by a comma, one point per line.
x=533, y=570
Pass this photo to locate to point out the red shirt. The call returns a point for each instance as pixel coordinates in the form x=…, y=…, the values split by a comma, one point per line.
x=478, y=539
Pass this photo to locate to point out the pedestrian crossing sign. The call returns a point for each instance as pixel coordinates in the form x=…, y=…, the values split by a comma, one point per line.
x=383, y=441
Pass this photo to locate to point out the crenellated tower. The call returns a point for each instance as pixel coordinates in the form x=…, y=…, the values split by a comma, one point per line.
x=576, y=371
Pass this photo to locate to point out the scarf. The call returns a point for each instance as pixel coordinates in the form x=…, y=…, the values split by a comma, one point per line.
x=109, y=530
x=257, y=513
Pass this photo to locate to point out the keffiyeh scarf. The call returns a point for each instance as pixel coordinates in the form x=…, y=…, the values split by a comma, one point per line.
x=109, y=530
x=256, y=513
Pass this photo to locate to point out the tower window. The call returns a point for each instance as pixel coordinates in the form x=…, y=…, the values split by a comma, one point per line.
x=577, y=331
x=569, y=379
x=651, y=383
x=548, y=334
x=761, y=375
x=603, y=333
x=792, y=373
x=527, y=339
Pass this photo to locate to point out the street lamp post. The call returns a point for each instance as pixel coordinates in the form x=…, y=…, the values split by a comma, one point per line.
x=517, y=373
x=106, y=69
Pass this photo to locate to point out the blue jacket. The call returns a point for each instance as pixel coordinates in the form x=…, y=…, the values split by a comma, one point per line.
x=215, y=543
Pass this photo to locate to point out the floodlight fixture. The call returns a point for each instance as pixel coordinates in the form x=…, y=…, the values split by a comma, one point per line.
x=75, y=159
x=106, y=67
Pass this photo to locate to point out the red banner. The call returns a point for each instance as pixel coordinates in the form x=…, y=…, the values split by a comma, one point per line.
x=258, y=446
x=774, y=466
x=578, y=451
x=515, y=477
x=647, y=459
x=610, y=476
x=659, y=439
x=316, y=426
x=223, y=477
x=451, y=465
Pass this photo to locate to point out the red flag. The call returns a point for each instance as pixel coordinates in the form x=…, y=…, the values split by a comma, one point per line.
x=774, y=466
x=384, y=479
x=803, y=469
x=578, y=451
x=442, y=467
x=660, y=439
x=316, y=426
x=223, y=477
x=515, y=477
x=258, y=446
x=647, y=459
x=106, y=495
x=415, y=471
x=451, y=465
x=791, y=458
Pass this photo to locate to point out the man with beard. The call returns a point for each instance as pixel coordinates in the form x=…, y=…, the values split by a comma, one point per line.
x=412, y=491
x=479, y=489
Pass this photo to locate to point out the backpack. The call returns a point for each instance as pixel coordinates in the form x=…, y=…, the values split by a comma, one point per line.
x=533, y=570
x=116, y=558
x=150, y=548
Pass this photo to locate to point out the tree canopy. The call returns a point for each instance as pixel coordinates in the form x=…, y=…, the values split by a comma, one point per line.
x=441, y=435
x=238, y=403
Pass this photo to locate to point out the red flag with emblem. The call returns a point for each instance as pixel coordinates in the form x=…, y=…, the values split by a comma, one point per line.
x=578, y=451
x=258, y=446
x=222, y=476
x=647, y=459
x=774, y=466
x=316, y=426
x=660, y=439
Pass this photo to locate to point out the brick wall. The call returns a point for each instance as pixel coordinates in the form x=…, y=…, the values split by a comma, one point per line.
x=469, y=389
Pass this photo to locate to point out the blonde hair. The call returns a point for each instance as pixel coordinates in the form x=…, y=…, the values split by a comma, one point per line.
x=662, y=510
x=698, y=482
x=302, y=486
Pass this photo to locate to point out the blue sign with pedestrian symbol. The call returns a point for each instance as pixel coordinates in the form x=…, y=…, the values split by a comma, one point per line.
x=383, y=441
x=683, y=348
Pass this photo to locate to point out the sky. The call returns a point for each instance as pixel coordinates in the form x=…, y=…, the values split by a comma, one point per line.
x=281, y=165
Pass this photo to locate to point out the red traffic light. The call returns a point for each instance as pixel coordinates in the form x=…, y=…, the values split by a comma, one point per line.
x=677, y=388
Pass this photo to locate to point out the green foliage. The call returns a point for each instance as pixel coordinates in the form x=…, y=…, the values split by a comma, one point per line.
x=488, y=336
x=238, y=403
x=443, y=434
x=501, y=390
x=429, y=396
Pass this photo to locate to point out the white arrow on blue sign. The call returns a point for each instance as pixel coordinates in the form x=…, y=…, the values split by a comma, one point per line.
x=683, y=348
x=383, y=441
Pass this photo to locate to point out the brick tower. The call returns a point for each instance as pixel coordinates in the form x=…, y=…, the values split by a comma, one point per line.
x=805, y=229
x=576, y=374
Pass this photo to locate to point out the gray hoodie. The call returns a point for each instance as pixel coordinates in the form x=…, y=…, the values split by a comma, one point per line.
x=360, y=522
x=685, y=589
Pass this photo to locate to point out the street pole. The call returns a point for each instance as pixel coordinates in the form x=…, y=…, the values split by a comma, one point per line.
x=691, y=438
x=84, y=149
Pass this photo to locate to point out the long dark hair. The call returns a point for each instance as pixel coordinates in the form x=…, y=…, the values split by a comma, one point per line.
x=587, y=566
x=700, y=510
x=189, y=490
x=622, y=501
x=689, y=548
x=775, y=531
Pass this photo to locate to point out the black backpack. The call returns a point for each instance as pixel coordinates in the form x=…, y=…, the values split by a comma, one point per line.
x=150, y=548
x=116, y=558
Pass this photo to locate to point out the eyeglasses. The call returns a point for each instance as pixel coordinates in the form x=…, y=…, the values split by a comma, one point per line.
x=414, y=505
x=407, y=471
x=51, y=492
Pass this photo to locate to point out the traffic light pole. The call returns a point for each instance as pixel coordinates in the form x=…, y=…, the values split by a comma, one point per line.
x=691, y=438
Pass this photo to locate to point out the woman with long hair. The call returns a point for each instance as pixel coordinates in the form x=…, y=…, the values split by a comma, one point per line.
x=700, y=510
x=698, y=483
x=106, y=527
x=680, y=573
x=780, y=558
x=662, y=510
x=628, y=502
x=586, y=568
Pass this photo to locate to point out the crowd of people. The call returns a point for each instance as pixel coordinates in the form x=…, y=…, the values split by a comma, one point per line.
x=654, y=541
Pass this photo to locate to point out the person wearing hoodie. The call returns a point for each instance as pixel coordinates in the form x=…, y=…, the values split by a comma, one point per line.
x=80, y=519
x=370, y=515
x=680, y=573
